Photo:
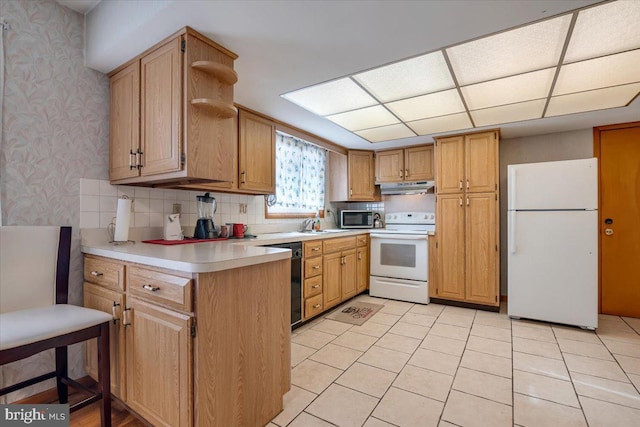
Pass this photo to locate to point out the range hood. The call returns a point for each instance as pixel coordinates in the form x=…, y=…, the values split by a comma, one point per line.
x=416, y=187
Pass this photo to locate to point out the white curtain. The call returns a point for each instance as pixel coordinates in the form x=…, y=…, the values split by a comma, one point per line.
x=300, y=174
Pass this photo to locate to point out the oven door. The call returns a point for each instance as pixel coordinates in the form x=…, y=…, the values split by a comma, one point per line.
x=403, y=256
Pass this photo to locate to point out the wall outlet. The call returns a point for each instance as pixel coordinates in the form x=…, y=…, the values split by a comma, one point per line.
x=177, y=208
x=243, y=208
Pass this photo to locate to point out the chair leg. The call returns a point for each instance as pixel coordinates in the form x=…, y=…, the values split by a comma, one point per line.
x=104, y=375
x=62, y=372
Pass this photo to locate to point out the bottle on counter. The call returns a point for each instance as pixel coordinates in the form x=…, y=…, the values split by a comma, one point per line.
x=316, y=223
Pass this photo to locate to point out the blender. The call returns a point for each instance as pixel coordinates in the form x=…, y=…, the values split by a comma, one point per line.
x=204, y=227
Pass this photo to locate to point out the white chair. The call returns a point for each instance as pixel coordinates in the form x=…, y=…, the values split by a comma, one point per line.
x=35, y=316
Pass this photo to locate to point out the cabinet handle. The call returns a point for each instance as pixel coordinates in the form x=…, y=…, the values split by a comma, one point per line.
x=467, y=201
x=315, y=249
x=316, y=267
x=315, y=286
x=139, y=158
x=460, y=201
x=243, y=179
x=360, y=257
x=151, y=288
x=96, y=274
x=131, y=159
x=350, y=192
x=401, y=176
x=467, y=183
x=406, y=173
x=114, y=312
x=126, y=320
x=316, y=306
x=342, y=260
x=460, y=186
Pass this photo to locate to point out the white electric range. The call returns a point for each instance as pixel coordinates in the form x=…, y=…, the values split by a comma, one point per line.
x=400, y=258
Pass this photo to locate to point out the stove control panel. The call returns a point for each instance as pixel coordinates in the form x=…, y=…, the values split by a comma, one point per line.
x=410, y=218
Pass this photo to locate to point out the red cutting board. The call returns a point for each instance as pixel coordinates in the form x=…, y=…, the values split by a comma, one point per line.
x=182, y=242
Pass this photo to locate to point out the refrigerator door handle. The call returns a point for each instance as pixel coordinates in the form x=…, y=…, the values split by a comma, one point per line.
x=512, y=188
x=512, y=232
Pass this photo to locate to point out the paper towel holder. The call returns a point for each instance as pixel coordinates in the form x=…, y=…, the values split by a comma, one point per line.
x=111, y=228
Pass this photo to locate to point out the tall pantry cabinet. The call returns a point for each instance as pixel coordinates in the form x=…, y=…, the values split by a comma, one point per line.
x=467, y=225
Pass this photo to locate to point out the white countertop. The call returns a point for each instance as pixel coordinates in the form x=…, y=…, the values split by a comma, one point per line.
x=209, y=256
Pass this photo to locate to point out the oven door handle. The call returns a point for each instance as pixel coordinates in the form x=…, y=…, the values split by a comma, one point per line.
x=398, y=236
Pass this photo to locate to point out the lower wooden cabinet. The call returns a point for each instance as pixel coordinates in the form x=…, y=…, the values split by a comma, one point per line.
x=332, y=279
x=362, y=269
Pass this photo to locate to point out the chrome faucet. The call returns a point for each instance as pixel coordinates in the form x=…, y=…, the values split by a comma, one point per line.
x=306, y=223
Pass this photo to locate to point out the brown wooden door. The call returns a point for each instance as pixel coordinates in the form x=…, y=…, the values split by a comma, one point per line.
x=481, y=162
x=349, y=274
x=481, y=223
x=363, y=268
x=361, y=175
x=418, y=163
x=390, y=166
x=619, y=154
x=161, y=109
x=110, y=302
x=450, y=164
x=331, y=279
x=124, y=123
x=450, y=212
x=257, y=152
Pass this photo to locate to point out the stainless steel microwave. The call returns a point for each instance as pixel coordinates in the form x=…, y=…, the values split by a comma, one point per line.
x=356, y=219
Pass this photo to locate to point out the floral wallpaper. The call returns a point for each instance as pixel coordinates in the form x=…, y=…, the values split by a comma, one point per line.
x=55, y=130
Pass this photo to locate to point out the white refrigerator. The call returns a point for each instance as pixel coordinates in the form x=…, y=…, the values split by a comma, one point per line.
x=553, y=242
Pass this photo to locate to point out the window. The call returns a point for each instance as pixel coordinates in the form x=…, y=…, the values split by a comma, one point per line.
x=300, y=176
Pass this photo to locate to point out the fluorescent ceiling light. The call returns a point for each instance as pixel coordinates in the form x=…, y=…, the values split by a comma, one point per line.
x=600, y=99
x=425, y=106
x=417, y=76
x=386, y=133
x=441, y=124
x=332, y=97
x=613, y=70
x=524, y=49
x=605, y=29
x=364, y=118
x=509, y=90
x=509, y=113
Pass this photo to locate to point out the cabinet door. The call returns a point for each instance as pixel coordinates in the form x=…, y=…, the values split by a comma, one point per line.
x=450, y=164
x=362, y=279
x=481, y=163
x=257, y=152
x=418, y=163
x=159, y=364
x=161, y=109
x=361, y=177
x=390, y=166
x=481, y=248
x=451, y=260
x=124, y=123
x=110, y=302
x=349, y=274
x=331, y=279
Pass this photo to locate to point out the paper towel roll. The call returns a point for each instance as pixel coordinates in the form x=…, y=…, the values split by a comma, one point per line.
x=123, y=216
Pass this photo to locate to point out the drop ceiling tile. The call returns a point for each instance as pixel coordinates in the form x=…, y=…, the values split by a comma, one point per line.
x=612, y=70
x=416, y=76
x=386, y=133
x=509, y=113
x=425, y=106
x=509, y=90
x=523, y=49
x=441, y=124
x=599, y=99
x=332, y=97
x=364, y=118
x=605, y=29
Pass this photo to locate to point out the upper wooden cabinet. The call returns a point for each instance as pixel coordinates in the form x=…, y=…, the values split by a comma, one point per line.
x=172, y=114
x=351, y=177
x=408, y=164
x=257, y=153
x=467, y=163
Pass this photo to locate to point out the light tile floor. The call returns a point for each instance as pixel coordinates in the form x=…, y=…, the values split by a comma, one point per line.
x=433, y=365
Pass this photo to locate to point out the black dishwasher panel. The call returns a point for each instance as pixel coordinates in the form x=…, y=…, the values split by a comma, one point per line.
x=296, y=279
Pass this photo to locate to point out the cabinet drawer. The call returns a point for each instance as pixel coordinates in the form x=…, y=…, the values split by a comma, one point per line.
x=362, y=240
x=104, y=273
x=174, y=291
x=312, y=306
x=312, y=267
x=311, y=249
x=339, y=244
x=312, y=287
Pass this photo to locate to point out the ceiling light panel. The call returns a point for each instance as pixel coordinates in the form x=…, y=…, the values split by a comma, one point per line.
x=524, y=49
x=441, y=124
x=612, y=70
x=386, y=133
x=599, y=99
x=509, y=113
x=605, y=29
x=509, y=90
x=425, y=106
x=416, y=76
x=364, y=118
x=332, y=97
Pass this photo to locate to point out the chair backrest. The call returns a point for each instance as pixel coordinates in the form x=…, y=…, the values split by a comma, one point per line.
x=34, y=266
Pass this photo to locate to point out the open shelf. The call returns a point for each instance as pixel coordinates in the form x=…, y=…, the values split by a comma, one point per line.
x=220, y=109
x=222, y=72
